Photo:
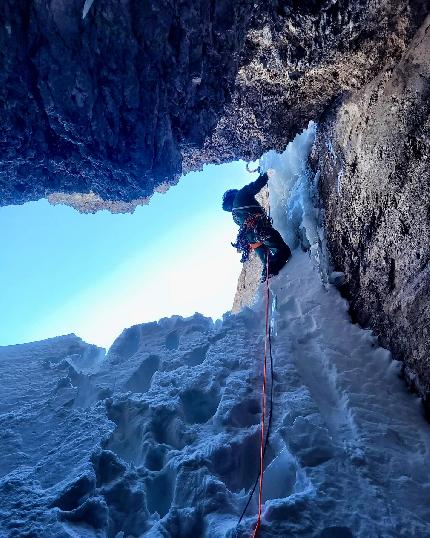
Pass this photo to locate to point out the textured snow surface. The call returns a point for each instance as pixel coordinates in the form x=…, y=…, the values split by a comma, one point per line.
x=161, y=437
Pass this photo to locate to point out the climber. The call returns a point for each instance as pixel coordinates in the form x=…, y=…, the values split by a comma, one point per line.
x=256, y=231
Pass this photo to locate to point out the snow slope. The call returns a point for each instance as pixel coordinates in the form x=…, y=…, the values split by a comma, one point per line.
x=161, y=438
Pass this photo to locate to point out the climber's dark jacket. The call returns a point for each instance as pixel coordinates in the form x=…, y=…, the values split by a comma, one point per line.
x=245, y=204
x=256, y=230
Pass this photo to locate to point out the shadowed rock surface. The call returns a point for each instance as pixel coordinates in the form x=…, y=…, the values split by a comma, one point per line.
x=373, y=155
x=121, y=102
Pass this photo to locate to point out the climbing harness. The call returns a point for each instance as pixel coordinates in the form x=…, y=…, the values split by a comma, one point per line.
x=256, y=245
x=260, y=226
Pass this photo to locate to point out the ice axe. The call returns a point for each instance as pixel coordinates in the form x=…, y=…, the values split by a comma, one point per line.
x=251, y=171
x=270, y=171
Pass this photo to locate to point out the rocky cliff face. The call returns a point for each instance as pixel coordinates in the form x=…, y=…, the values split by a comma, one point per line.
x=104, y=103
x=122, y=101
x=373, y=155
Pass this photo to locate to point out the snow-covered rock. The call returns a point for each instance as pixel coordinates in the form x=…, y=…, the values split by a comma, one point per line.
x=163, y=439
x=160, y=438
x=373, y=155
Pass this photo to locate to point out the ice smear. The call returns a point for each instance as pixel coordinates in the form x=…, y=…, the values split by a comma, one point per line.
x=293, y=196
x=161, y=438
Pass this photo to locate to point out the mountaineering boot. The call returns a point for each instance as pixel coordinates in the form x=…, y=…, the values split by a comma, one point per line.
x=279, y=254
x=277, y=265
x=279, y=251
x=273, y=271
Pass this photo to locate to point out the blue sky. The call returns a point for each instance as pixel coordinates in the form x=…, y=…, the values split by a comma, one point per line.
x=94, y=275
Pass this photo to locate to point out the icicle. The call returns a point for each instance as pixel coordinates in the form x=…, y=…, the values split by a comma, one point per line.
x=87, y=7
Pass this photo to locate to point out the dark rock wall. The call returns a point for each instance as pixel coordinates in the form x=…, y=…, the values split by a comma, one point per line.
x=374, y=157
x=104, y=103
x=122, y=102
x=296, y=63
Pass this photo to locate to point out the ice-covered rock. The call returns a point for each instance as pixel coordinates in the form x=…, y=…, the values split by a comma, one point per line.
x=377, y=148
x=160, y=438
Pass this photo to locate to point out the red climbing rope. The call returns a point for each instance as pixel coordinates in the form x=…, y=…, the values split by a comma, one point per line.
x=264, y=439
x=263, y=404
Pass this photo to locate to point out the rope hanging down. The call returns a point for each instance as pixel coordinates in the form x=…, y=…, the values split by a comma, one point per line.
x=264, y=439
x=263, y=403
x=268, y=341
